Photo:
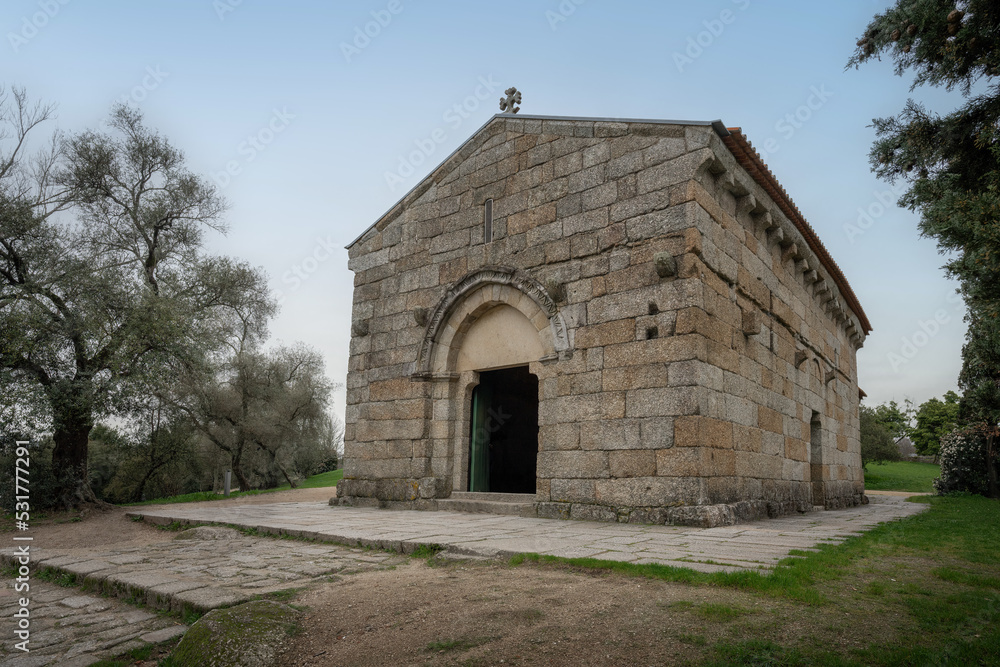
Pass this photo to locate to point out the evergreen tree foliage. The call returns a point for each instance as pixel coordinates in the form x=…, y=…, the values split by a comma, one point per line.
x=951, y=161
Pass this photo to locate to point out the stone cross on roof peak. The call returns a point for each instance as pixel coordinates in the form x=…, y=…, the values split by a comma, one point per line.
x=507, y=104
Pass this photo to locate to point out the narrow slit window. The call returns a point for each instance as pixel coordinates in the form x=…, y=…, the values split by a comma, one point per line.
x=488, y=221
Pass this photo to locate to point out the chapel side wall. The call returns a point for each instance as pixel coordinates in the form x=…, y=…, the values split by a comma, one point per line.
x=703, y=414
x=777, y=350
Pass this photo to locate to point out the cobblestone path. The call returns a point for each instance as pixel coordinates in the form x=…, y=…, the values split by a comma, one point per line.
x=73, y=629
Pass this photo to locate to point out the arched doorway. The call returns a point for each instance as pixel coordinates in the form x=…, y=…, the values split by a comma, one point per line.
x=503, y=432
x=493, y=334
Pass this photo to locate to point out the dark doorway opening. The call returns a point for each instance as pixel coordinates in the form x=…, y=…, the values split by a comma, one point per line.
x=816, y=458
x=503, y=437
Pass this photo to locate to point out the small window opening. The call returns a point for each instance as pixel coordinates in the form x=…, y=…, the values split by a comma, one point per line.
x=653, y=308
x=652, y=332
x=488, y=221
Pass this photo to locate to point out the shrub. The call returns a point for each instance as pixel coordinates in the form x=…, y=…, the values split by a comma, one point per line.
x=964, y=461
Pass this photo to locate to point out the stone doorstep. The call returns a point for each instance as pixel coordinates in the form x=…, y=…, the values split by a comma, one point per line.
x=488, y=506
x=492, y=497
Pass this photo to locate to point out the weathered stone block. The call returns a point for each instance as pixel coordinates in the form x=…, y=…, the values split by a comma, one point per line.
x=408, y=429
x=572, y=490
x=582, y=408
x=747, y=439
x=635, y=377
x=646, y=491
x=654, y=433
x=607, y=333
x=632, y=463
x=661, y=402
x=559, y=436
x=769, y=420
x=587, y=512
x=573, y=465
x=553, y=510
x=698, y=431
x=796, y=450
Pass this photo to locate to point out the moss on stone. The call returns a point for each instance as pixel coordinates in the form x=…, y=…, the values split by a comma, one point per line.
x=247, y=635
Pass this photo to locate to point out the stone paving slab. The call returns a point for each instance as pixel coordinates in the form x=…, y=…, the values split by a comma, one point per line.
x=759, y=545
x=71, y=629
x=220, y=567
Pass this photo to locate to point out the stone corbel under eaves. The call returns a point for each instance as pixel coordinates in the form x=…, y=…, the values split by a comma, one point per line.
x=777, y=230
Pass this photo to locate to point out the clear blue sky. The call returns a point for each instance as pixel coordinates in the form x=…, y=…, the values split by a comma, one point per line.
x=334, y=111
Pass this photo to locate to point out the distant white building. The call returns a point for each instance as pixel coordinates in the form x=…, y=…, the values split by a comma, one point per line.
x=906, y=448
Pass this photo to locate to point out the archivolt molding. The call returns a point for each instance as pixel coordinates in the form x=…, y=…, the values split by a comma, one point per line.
x=496, y=275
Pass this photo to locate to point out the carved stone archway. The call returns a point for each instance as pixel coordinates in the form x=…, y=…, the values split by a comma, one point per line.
x=477, y=293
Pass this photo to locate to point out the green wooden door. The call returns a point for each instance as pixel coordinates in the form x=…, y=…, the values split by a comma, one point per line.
x=479, y=439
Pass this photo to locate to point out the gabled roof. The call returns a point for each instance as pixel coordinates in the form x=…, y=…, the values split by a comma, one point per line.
x=734, y=140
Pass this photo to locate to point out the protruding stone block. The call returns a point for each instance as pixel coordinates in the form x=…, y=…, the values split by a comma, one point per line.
x=666, y=266
x=556, y=290
x=752, y=322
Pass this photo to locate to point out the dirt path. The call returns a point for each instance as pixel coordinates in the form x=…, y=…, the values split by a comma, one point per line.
x=110, y=527
x=493, y=614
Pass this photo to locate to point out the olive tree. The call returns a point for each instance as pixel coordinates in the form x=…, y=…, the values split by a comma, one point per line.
x=106, y=290
x=267, y=410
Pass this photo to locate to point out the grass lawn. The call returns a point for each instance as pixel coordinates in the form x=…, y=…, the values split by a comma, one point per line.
x=323, y=479
x=919, y=591
x=902, y=476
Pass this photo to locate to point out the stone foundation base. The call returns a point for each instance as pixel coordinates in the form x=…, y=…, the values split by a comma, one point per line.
x=394, y=489
x=843, y=502
x=701, y=516
x=710, y=516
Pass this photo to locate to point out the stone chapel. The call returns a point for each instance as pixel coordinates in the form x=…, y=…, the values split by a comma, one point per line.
x=616, y=320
